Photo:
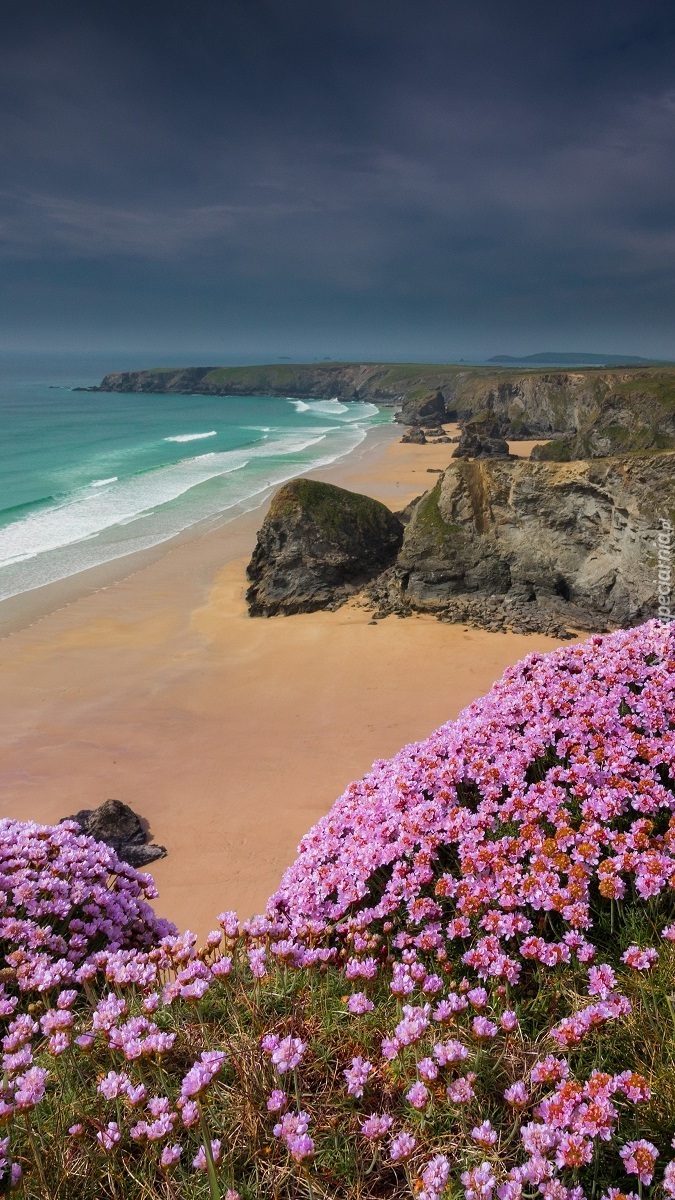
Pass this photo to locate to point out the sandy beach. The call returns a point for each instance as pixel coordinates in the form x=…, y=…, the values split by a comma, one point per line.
x=148, y=682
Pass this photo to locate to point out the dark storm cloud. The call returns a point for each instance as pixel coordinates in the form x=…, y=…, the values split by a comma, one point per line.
x=462, y=176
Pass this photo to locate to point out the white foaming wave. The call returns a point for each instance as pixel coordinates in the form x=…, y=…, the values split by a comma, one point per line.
x=191, y=437
x=150, y=527
x=102, y=482
x=90, y=512
x=356, y=410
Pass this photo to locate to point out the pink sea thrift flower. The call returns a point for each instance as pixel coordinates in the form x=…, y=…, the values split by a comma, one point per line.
x=517, y=1094
x=376, y=1126
x=460, y=1091
x=601, y=981
x=428, y=1069
x=640, y=960
x=479, y=1183
x=110, y=1136
x=639, y=1158
x=199, y=1162
x=277, y=1101
x=359, y=1003
x=435, y=1178
x=484, y=1134
x=401, y=1147
x=288, y=1054
x=418, y=1096
x=668, y=1182
x=202, y=1073
x=357, y=1076
x=170, y=1156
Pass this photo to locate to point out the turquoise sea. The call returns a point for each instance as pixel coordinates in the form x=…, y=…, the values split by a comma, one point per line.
x=88, y=477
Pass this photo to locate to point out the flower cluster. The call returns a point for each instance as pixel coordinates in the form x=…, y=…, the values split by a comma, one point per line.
x=436, y=981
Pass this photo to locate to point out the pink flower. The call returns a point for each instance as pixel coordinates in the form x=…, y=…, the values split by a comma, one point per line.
x=288, y=1054
x=401, y=1147
x=428, y=1069
x=508, y=1021
x=435, y=1178
x=483, y=1028
x=517, y=1094
x=170, y=1156
x=640, y=960
x=199, y=1162
x=601, y=981
x=277, y=1101
x=479, y=1183
x=639, y=1158
x=418, y=1096
x=300, y=1146
x=375, y=1127
x=668, y=1182
x=110, y=1136
x=448, y=1053
x=357, y=1076
x=358, y=1003
x=461, y=1091
x=484, y=1134
x=202, y=1073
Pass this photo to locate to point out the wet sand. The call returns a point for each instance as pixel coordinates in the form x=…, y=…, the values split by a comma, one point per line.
x=230, y=735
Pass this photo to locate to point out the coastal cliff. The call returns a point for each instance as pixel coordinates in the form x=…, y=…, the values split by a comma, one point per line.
x=588, y=413
x=532, y=546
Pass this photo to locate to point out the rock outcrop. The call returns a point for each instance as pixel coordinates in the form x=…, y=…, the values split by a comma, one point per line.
x=317, y=545
x=534, y=545
x=588, y=413
x=415, y=435
x=121, y=828
x=481, y=441
x=427, y=409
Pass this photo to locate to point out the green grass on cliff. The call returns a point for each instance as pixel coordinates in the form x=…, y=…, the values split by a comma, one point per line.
x=331, y=508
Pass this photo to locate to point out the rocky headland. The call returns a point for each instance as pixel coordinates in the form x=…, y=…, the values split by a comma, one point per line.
x=563, y=540
x=498, y=543
x=585, y=412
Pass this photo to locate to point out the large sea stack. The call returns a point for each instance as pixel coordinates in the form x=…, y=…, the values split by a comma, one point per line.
x=317, y=545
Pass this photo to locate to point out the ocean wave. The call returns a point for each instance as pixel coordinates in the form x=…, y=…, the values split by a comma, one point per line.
x=102, y=482
x=89, y=512
x=191, y=437
x=356, y=410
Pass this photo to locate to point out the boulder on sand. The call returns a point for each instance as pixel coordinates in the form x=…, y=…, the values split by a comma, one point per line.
x=121, y=828
x=317, y=545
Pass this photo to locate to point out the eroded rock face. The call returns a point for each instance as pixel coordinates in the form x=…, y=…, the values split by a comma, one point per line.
x=478, y=441
x=427, y=409
x=317, y=545
x=543, y=542
x=121, y=828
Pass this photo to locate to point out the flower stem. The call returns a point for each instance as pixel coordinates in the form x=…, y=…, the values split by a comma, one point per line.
x=210, y=1165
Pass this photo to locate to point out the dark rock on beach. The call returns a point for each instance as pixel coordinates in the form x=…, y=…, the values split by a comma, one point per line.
x=121, y=828
x=317, y=545
x=478, y=441
x=415, y=435
x=427, y=409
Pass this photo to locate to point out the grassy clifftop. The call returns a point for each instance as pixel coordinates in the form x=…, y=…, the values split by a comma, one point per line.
x=597, y=411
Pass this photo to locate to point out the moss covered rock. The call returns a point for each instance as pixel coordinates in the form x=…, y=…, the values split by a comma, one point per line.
x=317, y=545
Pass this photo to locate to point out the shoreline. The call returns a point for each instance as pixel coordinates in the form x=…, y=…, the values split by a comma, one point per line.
x=230, y=735
x=26, y=608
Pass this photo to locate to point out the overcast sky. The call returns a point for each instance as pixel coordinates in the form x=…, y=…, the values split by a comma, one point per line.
x=353, y=178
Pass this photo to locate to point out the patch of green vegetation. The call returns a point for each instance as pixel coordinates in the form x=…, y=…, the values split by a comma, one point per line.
x=332, y=509
x=429, y=523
